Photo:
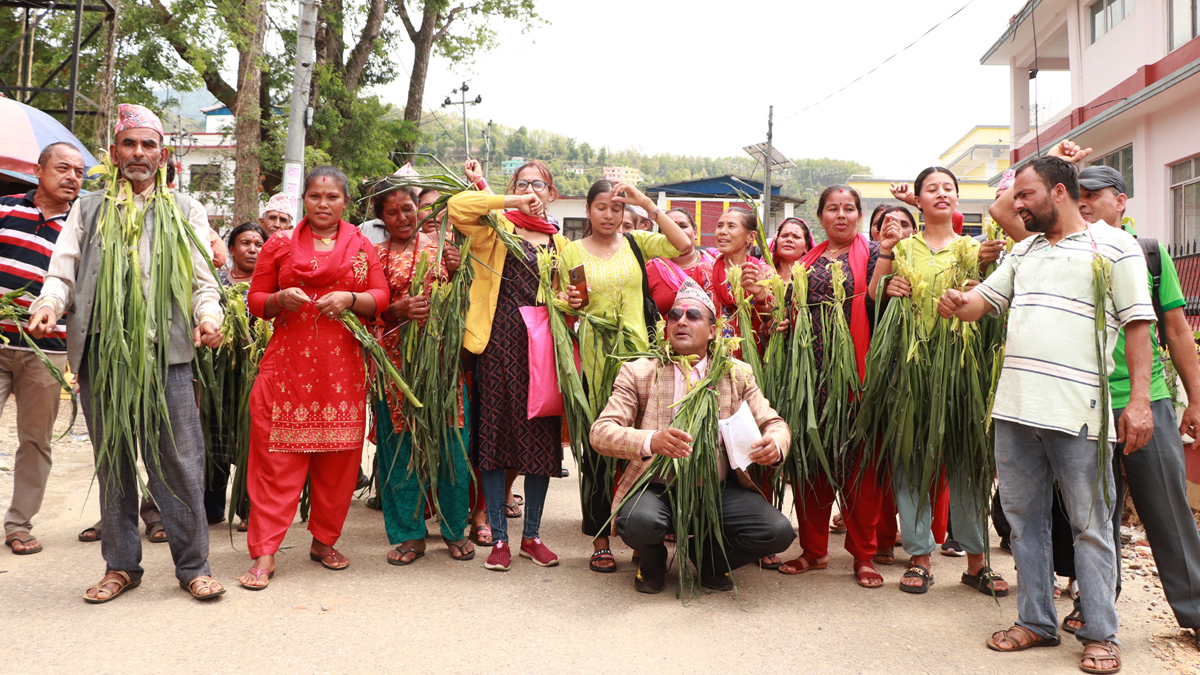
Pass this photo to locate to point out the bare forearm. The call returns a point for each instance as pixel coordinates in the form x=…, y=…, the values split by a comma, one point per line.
x=1004, y=212
x=1182, y=347
x=1138, y=359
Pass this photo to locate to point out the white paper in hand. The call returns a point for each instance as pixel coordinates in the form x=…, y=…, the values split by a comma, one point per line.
x=739, y=432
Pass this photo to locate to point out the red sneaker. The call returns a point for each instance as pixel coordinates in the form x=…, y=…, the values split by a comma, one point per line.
x=500, y=559
x=536, y=551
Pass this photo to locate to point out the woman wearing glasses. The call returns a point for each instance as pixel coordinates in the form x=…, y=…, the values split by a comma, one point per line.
x=503, y=436
x=614, y=265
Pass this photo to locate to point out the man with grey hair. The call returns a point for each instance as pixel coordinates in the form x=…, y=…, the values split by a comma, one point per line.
x=29, y=227
x=177, y=480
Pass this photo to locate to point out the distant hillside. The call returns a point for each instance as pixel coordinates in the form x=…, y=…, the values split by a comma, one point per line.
x=442, y=137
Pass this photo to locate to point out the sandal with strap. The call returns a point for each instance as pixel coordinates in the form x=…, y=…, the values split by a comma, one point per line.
x=258, y=575
x=462, y=556
x=808, y=562
x=401, y=562
x=982, y=581
x=770, y=562
x=603, y=554
x=512, y=509
x=124, y=581
x=917, y=572
x=479, y=532
x=90, y=534
x=331, y=554
x=864, y=571
x=156, y=533
x=885, y=556
x=16, y=536
x=1075, y=615
x=1032, y=640
x=1109, y=651
x=203, y=583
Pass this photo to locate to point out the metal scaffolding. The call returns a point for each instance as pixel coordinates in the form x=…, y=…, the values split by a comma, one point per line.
x=32, y=16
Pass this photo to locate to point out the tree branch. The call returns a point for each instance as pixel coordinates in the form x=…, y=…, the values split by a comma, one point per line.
x=446, y=26
x=366, y=44
x=205, y=68
x=413, y=33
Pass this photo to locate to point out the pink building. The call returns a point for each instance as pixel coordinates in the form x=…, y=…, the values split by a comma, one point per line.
x=1134, y=78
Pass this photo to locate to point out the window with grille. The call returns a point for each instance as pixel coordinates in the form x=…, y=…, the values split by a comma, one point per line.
x=1185, y=200
x=1107, y=13
x=1185, y=22
x=1122, y=161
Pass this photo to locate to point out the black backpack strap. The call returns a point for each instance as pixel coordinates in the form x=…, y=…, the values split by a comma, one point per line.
x=649, y=309
x=1153, y=255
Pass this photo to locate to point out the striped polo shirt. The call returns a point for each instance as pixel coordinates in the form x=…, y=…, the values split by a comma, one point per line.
x=26, y=242
x=1051, y=375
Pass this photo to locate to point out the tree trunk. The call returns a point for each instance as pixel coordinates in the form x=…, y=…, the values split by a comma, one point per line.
x=422, y=50
x=247, y=178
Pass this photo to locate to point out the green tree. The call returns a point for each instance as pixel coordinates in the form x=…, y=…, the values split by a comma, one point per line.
x=602, y=158
x=585, y=153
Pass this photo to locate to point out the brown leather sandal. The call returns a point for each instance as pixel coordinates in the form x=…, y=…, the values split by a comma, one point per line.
x=123, y=580
x=1109, y=651
x=202, y=583
x=1032, y=640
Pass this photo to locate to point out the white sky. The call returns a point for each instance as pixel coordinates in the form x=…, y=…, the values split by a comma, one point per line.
x=691, y=77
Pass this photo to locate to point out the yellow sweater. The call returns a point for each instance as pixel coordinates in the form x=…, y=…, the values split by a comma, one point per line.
x=488, y=252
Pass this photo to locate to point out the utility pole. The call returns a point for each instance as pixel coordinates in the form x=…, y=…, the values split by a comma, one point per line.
x=464, y=103
x=487, y=148
x=301, y=113
x=766, y=216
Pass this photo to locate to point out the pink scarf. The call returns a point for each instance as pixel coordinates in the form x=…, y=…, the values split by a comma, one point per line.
x=318, y=274
x=860, y=326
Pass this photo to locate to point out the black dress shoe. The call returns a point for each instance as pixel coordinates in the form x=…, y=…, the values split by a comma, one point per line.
x=649, y=585
x=721, y=582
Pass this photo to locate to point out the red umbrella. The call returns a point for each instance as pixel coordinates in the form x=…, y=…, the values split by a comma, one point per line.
x=24, y=131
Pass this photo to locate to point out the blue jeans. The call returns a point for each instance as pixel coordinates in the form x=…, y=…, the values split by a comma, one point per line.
x=1029, y=460
x=535, y=500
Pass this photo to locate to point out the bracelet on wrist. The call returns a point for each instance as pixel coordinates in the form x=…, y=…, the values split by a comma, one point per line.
x=887, y=256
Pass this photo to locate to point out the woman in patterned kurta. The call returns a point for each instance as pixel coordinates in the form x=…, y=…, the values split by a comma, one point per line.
x=735, y=233
x=666, y=275
x=308, y=405
x=401, y=490
x=614, y=281
x=503, y=437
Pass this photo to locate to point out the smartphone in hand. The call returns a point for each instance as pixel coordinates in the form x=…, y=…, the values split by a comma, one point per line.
x=579, y=281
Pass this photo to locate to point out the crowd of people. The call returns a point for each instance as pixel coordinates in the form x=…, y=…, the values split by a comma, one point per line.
x=310, y=405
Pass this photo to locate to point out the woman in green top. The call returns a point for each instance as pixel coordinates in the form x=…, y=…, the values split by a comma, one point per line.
x=614, y=285
x=936, y=191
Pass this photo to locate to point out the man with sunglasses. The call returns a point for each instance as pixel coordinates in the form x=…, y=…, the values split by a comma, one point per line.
x=636, y=425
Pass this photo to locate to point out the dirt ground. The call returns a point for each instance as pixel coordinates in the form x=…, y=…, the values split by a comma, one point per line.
x=456, y=617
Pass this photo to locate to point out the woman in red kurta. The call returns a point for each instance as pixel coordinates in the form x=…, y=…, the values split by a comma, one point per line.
x=308, y=405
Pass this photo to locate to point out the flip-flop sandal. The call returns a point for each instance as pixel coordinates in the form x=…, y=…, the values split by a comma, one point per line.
x=813, y=564
x=1034, y=640
x=980, y=581
x=606, y=555
x=884, y=559
x=15, y=536
x=331, y=554
x=126, y=581
x=918, y=572
x=512, y=509
x=519, y=500
x=1075, y=615
x=404, y=551
x=196, y=585
x=153, y=530
x=258, y=575
x=1112, y=652
x=243, y=526
x=470, y=555
x=89, y=538
x=477, y=534
x=769, y=565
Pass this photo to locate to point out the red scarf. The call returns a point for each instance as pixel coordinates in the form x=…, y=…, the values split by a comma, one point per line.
x=860, y=326
x=318, y=274
x=530, y=223
x=721, y=293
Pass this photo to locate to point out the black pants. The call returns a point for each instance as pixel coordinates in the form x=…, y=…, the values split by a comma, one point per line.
x=753, y=528
x=216, y=480
x=596, y=499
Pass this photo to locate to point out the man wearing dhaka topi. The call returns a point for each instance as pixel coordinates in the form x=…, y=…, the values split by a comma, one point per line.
x=110, y=235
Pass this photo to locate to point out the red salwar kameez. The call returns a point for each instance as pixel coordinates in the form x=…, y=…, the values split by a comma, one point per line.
x=308, y=406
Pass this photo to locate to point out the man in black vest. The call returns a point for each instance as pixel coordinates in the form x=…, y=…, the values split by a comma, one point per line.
x=177, y=483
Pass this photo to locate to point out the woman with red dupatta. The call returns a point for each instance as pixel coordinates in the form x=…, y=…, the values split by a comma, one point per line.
x=865, y=263
x=735, y=233
x=308, y=405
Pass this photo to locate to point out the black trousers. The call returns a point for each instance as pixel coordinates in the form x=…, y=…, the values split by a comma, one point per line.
x=752, y=527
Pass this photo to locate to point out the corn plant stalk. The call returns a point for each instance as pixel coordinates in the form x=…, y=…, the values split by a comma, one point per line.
x=18, y=314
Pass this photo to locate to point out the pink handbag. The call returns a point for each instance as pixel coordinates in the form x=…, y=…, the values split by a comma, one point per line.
x=545, y=398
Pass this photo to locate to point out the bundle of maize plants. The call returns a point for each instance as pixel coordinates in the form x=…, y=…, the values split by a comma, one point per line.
x=694, y=482
x=382, y=374
x=792, y=382
x=1102, y=283
x=839, y=373
x=12, y=311
x=132, y=318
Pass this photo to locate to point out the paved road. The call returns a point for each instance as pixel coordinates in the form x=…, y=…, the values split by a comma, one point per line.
x=449, y=617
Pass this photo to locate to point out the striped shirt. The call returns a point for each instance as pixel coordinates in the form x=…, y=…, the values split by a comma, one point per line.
x=26, y=241
x=1051, y=376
